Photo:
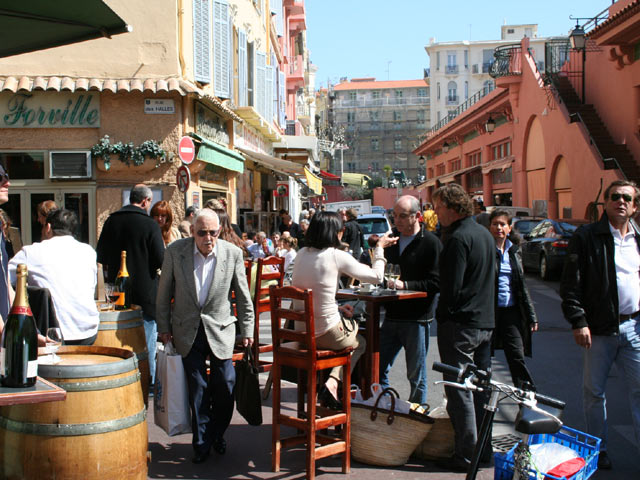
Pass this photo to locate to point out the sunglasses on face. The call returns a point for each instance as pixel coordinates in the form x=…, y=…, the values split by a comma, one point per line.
x=204, y=233
x=617, y=196
x=4, y=178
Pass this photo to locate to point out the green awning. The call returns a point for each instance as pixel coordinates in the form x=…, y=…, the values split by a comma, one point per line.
x=30, y=25
x=216, y=154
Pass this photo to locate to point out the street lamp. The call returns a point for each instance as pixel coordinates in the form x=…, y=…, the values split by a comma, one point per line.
x=445, y=147
x=577, y=38
x=490, y=125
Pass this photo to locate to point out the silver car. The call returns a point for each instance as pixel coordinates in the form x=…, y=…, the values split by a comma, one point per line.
x=374, y=223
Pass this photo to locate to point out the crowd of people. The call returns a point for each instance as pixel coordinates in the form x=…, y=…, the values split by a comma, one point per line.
x=470, y=268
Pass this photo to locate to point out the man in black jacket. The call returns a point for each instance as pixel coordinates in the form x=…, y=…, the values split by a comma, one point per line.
x=600, y=294
x=132, y=229
x=406, y=323
x=353, y=234
x=465, y=313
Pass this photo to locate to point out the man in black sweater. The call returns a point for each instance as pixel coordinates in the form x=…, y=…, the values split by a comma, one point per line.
x=406, y=323
x=465, y=313
x=132, y=229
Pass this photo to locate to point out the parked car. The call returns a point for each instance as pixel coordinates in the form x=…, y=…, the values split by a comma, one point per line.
x=378, y=209
x=545, y=247
x=374, y=223
x=524, y=225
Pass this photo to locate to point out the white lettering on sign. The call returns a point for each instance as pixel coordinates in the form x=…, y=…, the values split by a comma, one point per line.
x=159, y=106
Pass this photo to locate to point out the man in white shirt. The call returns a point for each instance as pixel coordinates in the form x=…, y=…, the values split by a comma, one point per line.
x=199, y=275
x=261, y=248
x=600, y=292
x=68, y=269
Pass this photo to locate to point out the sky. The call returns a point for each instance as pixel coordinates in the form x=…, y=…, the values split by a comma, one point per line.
x=386, y=39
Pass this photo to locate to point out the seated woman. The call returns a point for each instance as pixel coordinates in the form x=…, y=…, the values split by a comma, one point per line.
x=318, y=266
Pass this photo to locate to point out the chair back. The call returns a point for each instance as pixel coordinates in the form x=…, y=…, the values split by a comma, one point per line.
x=261, y=299
x=284, y=320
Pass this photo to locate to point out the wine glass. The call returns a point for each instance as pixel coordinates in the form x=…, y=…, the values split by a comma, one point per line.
x=389, y=270
x=53, y=342
x=395, y=274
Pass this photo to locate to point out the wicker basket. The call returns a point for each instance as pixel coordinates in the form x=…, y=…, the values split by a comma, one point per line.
x=440, y=441
x=385, y=437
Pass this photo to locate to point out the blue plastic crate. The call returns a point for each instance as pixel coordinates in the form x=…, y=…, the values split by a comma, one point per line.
x=586, y=445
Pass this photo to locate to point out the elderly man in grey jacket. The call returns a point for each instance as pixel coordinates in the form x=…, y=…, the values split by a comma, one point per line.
x=200, y=273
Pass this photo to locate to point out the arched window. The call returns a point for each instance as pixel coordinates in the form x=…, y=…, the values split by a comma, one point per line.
x=452, y=92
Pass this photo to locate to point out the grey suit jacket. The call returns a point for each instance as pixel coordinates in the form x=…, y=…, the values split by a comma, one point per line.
x=183, y=317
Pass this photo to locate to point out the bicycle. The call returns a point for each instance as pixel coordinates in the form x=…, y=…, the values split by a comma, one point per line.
x=531, y=419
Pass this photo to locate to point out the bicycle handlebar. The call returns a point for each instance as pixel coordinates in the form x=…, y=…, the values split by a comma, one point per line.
x=448, y=369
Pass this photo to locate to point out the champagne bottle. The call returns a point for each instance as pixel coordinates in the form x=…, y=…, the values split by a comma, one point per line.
x=123, y=284
x=19, y=355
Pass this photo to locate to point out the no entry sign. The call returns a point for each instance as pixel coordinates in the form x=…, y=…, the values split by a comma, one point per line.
x=183, y=178
x=186, y=150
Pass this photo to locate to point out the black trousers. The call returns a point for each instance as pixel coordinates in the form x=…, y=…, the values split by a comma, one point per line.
x=509, y=327
x=210, y=396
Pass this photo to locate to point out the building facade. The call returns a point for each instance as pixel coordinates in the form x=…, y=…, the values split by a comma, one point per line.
x=382, y=121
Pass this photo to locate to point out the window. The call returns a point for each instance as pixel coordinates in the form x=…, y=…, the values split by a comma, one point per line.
x=501, y=150
x=351, y=117
x=451, y=59
x=351, y=166
x=374, y=166
x=24, y=165
x=422, y=92
x=440, y=169
x=474, y=179
x=375, y=144
x=474, y=159
x=487, y=86
x=374, y=116
x=499, y=176
x=466, y=89
x=487, y=60
x=399, y=93
x=421, y=119
x=397, y=116
x=437, y=60
x=452, y=92
x=375, y=94
x=454, y=165
x=353, y=96
x=438, y=117
x=466, y=59
x=510, y=30
x=243, y=98
x=397, y=143
x=438, y=90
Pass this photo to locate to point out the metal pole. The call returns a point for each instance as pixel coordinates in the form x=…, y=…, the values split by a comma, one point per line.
x=341, y=163
x=584, y=67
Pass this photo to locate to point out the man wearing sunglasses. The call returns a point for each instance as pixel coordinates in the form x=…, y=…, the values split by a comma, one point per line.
x=199, y=274
x=600, y=292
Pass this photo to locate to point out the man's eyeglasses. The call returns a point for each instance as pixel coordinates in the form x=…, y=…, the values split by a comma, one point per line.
x=204, y=233
x=617, y=196
x=403, y=216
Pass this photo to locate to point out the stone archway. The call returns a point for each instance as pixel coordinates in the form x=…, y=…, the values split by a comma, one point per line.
x=561, y=182
x=535, y=164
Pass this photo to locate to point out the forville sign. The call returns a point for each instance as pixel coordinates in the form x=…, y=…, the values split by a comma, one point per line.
x=50, y=110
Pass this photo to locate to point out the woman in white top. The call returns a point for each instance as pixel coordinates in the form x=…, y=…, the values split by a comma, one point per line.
x=289, y=245
x=318, y=266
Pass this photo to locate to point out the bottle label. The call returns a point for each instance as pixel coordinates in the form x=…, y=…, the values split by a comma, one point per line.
x=2, y=372
x=21, y=310
x=120, y=300
x=32, y=369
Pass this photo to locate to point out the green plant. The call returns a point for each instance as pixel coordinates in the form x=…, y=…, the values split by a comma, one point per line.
x=128, y=152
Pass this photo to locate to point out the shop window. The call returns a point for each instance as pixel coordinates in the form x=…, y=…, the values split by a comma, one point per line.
x=24, y=165
x=474, y=179
x=500, y=176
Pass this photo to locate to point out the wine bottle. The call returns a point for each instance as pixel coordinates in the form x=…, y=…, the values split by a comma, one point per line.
x=19, y=355
x=123, y=284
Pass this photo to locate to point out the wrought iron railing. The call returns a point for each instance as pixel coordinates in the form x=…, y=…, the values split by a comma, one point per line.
x=451, y=70
x=508, y=61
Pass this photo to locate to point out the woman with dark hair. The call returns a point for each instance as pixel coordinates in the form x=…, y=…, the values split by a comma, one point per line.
x=515, y=316
x=318, y=266
x=228, y=234
x=163, y=215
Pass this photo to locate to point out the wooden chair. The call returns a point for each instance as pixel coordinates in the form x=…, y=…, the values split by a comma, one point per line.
x=297, y=348
x=261, y=303
x=238, y=351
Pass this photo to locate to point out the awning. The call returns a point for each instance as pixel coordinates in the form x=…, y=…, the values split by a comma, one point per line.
x=277, y=164
x=27, y=26
x=431, y=182
x=501, y=163
x=329, y=176
x=215, y=154
x=313, y=182
x=447, y=178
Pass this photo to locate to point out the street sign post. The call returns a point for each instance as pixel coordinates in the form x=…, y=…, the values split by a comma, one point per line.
x=186, y=150
x=183, y=178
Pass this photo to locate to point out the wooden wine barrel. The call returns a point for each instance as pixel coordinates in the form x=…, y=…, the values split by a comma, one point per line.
x=99, y=431
x=125, y=329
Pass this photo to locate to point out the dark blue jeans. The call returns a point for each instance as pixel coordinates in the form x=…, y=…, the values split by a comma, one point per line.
x=210, y=396
x=413, y=336
x=459, y=347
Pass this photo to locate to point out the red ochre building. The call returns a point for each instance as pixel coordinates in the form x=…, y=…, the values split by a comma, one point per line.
x=558, y=134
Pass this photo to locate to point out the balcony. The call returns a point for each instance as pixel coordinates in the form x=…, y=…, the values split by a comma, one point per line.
x=451, y=70
x=486, y=67
x=380, y=102
x=452, y=99
x=295, y=74
x=294, y=7
x=508, y=61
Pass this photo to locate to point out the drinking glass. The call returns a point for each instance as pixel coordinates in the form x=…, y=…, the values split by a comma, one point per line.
x=389, y=270
x=53, y=342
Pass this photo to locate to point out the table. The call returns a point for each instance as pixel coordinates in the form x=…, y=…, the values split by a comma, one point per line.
x=42, y=391
x=371, y=357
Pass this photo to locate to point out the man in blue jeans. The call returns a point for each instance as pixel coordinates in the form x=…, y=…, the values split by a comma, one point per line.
x=406, y=325
x=132, y=229
x=600, y=292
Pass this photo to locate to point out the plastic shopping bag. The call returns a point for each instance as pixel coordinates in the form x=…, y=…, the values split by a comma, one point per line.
x=171, y=397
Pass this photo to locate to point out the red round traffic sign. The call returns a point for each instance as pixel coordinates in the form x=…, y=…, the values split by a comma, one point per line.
x=183, y=178
x=186, y=150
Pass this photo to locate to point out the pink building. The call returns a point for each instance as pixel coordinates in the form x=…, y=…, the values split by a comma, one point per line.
x=535, y=141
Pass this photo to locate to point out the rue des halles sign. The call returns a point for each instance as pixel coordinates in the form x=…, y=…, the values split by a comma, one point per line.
x=50, y=110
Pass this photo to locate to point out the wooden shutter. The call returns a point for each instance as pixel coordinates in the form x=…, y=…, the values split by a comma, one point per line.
x=261, y=67
x=276, y=8
x=221, y=48
x=268, y=88
x=282, y=100
x=202, y=41
x=243, y=97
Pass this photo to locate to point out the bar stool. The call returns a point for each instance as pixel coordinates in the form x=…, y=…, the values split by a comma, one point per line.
x=297, y=348
x=261, y=304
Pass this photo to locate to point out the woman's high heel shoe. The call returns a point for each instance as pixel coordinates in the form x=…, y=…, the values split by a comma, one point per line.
x=328, y=400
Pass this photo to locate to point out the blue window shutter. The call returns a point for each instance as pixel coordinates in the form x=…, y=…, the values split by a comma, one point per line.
x=282, y=100
x=261, y=60
x=268, y=89
x=202, y=41
x=276, y=7
x=221, y=50
x=274, y=98
x=243, y=98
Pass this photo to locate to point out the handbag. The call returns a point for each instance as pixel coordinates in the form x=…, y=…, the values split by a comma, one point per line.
x=247, y=389
x=171, y=397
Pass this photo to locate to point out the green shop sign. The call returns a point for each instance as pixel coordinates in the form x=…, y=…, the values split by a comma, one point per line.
x=50, y=110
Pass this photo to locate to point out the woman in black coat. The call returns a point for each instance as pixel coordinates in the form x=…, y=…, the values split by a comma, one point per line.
x=515, y=316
